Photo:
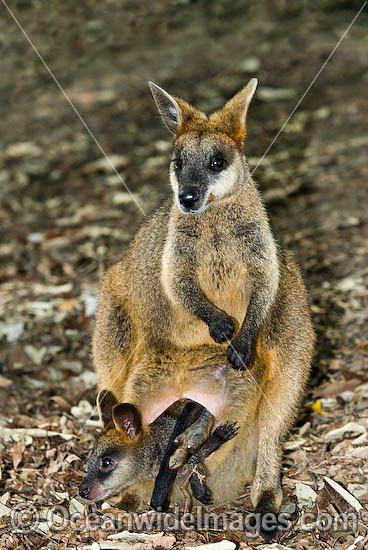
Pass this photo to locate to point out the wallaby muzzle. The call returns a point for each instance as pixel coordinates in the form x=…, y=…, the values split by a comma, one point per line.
x=92, y=491
x=190, y=199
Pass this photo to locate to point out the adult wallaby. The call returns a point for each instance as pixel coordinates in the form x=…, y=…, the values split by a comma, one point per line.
x=205, y=306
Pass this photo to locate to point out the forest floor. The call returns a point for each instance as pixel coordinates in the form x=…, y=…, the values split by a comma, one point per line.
x=66, y=216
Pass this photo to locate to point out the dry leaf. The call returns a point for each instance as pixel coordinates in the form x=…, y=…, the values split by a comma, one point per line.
x=349, y=498
x=16, y=453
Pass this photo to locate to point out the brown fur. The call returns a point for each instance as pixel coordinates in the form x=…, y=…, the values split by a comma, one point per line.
x=185, y=274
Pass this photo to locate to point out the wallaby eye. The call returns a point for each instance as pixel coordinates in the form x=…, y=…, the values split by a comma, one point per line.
x=106, y=463
x=217, y=164
x=178, y=164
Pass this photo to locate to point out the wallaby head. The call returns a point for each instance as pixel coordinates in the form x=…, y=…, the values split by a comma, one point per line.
x=208, y=164
x=114, y=463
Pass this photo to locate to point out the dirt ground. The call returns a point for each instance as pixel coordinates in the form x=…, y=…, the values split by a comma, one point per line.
x=66, y=216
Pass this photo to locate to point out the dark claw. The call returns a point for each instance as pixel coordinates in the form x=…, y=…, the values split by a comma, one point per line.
x=222, y=331
x=226, y=431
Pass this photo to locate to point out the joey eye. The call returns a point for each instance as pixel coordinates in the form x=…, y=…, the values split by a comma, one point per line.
x=106, y=463
x=178, y=164
x=217, y=164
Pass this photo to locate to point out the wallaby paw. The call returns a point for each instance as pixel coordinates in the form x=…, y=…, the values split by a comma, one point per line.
x=191, y=440
x=239, y=358
x=226, y=431
x=222, y=331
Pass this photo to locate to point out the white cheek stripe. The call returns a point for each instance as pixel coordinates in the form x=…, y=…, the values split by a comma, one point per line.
x=223, y=185
x=173, y=181
x=224, y=182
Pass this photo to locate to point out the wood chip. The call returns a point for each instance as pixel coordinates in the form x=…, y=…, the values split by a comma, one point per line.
x=351, y=427
x=223, y=545
x=349, y=498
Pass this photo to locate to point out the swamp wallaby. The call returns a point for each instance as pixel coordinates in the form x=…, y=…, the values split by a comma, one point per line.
x=205, y=306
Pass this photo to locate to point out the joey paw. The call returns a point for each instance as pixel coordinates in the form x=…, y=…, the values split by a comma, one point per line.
x=221, y=331
x=191, y=439
x=226, y=431
x=200, y=490
x=239, y=358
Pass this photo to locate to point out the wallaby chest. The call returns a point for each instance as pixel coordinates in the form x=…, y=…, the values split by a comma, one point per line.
x=215, y=254
x=223, y=272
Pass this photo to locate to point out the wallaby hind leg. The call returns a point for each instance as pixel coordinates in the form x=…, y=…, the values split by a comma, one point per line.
x=276, y=414
x=192, y=439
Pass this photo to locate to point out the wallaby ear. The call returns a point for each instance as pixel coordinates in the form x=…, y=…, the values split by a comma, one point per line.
x=127, y=420
x=231, y=118
x=167, y=106
x=106, y=401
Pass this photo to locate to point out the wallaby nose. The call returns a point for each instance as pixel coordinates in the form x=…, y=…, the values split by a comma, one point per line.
x=84, y=492
x=189, y=198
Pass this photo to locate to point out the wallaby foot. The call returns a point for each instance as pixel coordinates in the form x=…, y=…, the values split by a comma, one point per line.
x=166, y=476
x=269, y=525
x=191, y=439
x=221, y=330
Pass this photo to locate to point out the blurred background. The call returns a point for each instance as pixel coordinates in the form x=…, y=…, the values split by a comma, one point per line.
x=66, y=216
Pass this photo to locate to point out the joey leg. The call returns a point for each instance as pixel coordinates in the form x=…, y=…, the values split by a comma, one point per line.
x=200, y=490
x=191, y=439
x=221, y=434
x=166, y=476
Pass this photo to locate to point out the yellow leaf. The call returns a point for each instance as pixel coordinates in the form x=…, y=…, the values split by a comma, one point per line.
x=317, y=407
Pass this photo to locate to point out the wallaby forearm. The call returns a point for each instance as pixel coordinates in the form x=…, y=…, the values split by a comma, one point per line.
x=191, y=297
x=263, y=293
x=261, y=299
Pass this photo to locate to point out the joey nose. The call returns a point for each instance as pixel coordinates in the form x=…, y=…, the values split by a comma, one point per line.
x=84, y=492
x=189, y=199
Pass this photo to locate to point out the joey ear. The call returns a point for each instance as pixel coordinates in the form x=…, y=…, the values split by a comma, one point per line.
x=106, y=401
x=127, y=420
x=167, y=106
x=231, y=118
